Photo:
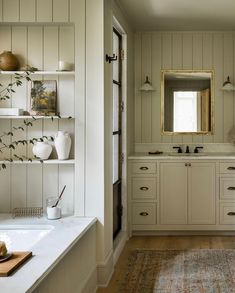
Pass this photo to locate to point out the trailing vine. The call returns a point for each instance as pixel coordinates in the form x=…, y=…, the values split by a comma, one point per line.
x=5, y=94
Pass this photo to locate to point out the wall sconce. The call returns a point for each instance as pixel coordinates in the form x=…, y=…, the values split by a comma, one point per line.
x=147, y=87
x=227, y=85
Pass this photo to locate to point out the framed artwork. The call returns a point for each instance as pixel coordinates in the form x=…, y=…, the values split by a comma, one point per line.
x=43, y=97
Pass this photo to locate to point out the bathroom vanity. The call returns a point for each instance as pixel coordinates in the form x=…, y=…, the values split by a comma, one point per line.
x=182, y=192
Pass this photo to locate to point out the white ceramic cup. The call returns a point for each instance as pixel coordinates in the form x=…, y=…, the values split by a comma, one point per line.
x=53, y=213
x=63, y=65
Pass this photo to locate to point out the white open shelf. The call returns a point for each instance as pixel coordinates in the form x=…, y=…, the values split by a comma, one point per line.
x=55, y=161
x=36, y=117
x=39, y=72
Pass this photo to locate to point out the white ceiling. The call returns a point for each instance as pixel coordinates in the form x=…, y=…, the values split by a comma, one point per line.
x=148, y=15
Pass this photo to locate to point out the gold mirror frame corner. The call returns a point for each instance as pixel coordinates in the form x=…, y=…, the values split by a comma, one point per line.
x=169, y=133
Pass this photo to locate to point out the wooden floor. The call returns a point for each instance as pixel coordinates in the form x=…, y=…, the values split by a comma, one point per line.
x=167, y=242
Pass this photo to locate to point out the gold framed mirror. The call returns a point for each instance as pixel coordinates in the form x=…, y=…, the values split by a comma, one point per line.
x=187, y=102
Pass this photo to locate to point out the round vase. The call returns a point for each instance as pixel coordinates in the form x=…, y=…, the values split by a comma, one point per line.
x=42, y=150
x=62, y=145
x=8, y=61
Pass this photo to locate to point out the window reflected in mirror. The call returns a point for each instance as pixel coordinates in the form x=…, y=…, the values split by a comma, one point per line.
x=187, y=102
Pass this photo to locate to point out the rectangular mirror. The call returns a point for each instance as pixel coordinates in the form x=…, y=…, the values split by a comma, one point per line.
x=187, y=102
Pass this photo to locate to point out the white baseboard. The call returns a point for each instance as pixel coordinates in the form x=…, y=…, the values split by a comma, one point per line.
x=119, y=244
x=105, y=271
x=91, y=282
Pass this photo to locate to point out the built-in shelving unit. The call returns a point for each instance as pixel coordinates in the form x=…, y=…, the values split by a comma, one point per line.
x=61, y=162
x=34, y=117
x=56, y=72
x=41, y=45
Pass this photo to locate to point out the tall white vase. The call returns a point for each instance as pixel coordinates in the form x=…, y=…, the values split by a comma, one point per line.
x=62, y=145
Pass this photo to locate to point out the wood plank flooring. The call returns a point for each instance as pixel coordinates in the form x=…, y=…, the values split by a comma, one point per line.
x=164, y=242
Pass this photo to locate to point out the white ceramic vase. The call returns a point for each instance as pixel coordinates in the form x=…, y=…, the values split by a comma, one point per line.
x=42, y=150
x=62, y=145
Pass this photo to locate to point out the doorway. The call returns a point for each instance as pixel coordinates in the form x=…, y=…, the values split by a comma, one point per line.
x=117, y=133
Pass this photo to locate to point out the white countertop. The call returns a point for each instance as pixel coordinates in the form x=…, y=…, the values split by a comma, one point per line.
x=47, y=252
x=184, y=156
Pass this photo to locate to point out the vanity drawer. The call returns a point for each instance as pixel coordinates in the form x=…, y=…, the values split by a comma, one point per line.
x=227, y=188
x=144, y=188
x=143, y=213
x=227, y=213
x=227, y=168
x=144, y=168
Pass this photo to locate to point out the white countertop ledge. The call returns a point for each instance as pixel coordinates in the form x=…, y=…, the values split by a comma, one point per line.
x=64, y=233
x=183, y=156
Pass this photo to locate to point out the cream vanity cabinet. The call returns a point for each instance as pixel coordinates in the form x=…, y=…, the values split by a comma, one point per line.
x=227, y=193
x=187, y=193
x=143, y=194
x=177, y=194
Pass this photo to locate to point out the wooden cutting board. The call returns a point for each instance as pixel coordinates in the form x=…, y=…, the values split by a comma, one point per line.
x=17, y=259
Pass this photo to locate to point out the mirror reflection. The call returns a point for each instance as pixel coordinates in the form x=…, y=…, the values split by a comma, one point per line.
x=187, y=102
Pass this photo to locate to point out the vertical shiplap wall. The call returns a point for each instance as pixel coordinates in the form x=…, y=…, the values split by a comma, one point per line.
x=182, y=50
x=35, y=10
x=40, y=45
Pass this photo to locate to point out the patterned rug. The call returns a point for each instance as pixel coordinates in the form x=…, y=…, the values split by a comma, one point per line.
x=180, y=271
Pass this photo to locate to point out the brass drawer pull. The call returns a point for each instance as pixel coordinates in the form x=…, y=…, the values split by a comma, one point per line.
x=231, y=188
x=144, y=188
x=144, y=168
x=144, y=214
x=231, y=168
x=231, y=214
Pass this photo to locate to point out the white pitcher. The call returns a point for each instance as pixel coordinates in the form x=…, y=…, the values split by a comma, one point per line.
x=62, y=145
x=42, y=150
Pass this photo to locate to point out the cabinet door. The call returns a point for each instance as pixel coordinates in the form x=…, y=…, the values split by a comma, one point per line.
x=201, y=193
x=173, y=193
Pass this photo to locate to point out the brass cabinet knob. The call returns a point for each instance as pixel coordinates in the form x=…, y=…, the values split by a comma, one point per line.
x=143, y=214
x=231, y=213
x=144, y=188
x=144, y=168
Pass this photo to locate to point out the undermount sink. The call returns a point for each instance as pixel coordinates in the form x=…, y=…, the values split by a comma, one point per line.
x=186, y=154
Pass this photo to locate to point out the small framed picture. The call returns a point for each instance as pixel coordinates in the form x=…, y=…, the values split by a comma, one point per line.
x=43, y=97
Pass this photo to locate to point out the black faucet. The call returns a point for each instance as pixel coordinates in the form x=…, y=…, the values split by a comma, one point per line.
x=187, y=150
x=179, y=149
x=196, y=149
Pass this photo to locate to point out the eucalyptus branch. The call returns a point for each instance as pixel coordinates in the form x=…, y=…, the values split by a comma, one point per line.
x=19, y=158
x=25, y=142
x=8, y=90
x=25, y=124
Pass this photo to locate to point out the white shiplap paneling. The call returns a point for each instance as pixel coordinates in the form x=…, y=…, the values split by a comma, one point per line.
x=11, y=10
x=146, y=133
x=44, y=11
x=27, y=10
x=183, y=50
x=60, y=10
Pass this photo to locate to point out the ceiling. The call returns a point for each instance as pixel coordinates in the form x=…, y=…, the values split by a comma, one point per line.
x=148, y=15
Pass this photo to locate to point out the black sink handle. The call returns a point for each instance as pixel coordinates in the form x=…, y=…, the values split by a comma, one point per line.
x=179, y=149
x=196, y=149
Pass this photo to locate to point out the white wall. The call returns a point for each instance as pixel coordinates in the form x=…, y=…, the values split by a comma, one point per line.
x=182, y=50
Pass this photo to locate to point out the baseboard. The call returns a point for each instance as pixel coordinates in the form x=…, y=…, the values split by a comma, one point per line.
x=105, y=271
x=119, y=244
x=183, y=233
x=91, y=282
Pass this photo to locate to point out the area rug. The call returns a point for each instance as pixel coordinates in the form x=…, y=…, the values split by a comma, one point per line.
x=180, y=271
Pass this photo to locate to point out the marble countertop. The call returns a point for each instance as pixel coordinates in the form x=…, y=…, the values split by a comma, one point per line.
x=184, y=156
x=47, y=252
